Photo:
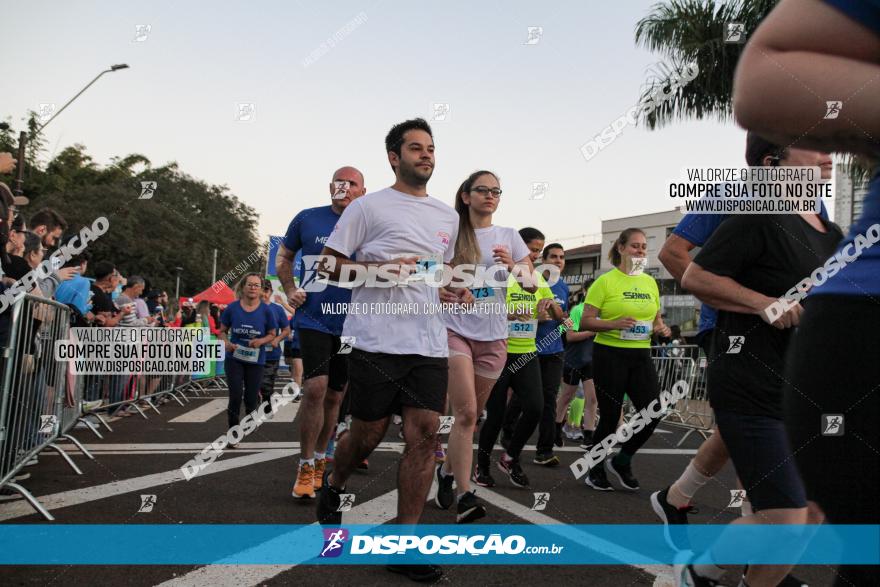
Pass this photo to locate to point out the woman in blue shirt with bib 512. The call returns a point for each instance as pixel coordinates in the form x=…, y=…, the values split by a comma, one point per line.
x=247, y=324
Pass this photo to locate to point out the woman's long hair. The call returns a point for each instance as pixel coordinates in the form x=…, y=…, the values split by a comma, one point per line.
x=467, y=249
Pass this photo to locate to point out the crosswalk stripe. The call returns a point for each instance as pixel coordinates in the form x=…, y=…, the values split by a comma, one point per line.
x=609, y=549
x=79, y=496
x=203, y=413
x=373, y=512
x=286, y=413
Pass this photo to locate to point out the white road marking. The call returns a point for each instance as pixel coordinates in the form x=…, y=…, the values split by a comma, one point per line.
x=609, y=549
x=287, y=413
x=203, y=413
x=374, y=512
x=96, y=492
x=171, y=447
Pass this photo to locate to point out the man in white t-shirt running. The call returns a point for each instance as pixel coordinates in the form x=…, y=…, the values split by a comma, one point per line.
x=398, y=364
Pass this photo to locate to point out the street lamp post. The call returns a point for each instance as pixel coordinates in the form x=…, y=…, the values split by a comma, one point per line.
x=22, y=137
x=177, y=287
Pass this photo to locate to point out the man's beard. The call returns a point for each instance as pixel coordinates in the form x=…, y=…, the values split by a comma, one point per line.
x=411, y=175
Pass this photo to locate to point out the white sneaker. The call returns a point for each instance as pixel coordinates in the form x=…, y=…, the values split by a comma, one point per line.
x=92, y=406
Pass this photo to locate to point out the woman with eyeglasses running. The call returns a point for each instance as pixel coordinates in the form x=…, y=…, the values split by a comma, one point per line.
x=623, y=308
x=246, y=326
x=477, y=341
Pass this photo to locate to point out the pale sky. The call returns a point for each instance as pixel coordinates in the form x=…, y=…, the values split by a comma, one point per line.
x=521, y=110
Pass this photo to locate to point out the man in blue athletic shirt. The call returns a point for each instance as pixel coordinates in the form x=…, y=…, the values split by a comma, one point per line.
x=318, y=331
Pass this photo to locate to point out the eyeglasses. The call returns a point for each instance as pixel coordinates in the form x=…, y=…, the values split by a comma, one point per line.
x=484, y=191
x=252, y=285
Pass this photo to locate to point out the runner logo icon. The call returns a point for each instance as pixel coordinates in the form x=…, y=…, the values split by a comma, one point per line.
x=346, y=501
x=541, y=500
x=832, y=424
x=147, y=503
x=737, y=497
x=333, y=541
x=346, y=343
x=736, y=344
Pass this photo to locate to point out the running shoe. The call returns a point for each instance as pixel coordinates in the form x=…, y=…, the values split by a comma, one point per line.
x=364, y=465
x=671, y=516
x=470, y=508
x=318, y=479
x=623, y=474
x=686, y=576
x=546, y=459
x=483, y=477
x=445, y=493
x=572, y=433
x=327, y=510
x=418, y=573
x=305, y=482
x=514, y=472
x=597, y=479
x=588, y=442
x=91, y=406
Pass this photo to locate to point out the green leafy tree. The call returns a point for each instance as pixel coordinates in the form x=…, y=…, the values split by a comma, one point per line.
x=178, y=226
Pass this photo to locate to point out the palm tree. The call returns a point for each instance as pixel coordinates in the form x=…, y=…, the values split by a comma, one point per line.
x=692, y=31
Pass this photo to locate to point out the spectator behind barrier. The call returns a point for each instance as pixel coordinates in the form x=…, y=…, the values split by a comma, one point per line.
x=49, y=226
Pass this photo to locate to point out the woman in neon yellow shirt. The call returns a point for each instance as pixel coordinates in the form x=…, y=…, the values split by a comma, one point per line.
x=522, y=372
x=623, y=308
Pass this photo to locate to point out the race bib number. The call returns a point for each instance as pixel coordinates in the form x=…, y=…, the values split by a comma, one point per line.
x=640, y=331
x=483, y=295
x=517, y=329
x=246, y=354
x=425, y=265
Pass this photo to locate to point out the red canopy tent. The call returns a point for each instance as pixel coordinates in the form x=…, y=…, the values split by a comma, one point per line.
x=219, y=293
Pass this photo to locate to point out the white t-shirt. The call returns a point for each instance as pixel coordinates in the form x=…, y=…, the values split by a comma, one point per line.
x=491, y=324
x=383, y=226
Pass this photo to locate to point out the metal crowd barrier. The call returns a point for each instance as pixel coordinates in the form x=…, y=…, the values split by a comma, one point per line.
x=685, y=363
x=41, y=400
x=34, y=404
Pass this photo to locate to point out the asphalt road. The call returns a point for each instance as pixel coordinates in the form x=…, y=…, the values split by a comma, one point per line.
x=251, y=485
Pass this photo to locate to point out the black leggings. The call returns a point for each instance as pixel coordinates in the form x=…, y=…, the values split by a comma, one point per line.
x=551, y=375
x=833, y=368
x=267, y=380
x=522, y=373
x=619, y=371
x=242, y=379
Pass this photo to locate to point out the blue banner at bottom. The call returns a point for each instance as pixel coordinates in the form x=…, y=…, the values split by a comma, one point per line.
x=438, y=544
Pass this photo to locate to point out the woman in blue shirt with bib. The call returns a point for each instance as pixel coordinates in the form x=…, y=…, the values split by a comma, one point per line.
x=247, y=324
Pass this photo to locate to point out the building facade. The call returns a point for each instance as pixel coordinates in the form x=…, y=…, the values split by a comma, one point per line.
x=849, y=198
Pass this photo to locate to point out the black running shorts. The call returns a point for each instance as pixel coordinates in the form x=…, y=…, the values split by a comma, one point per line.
x=319, y=357
x=382, y=384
